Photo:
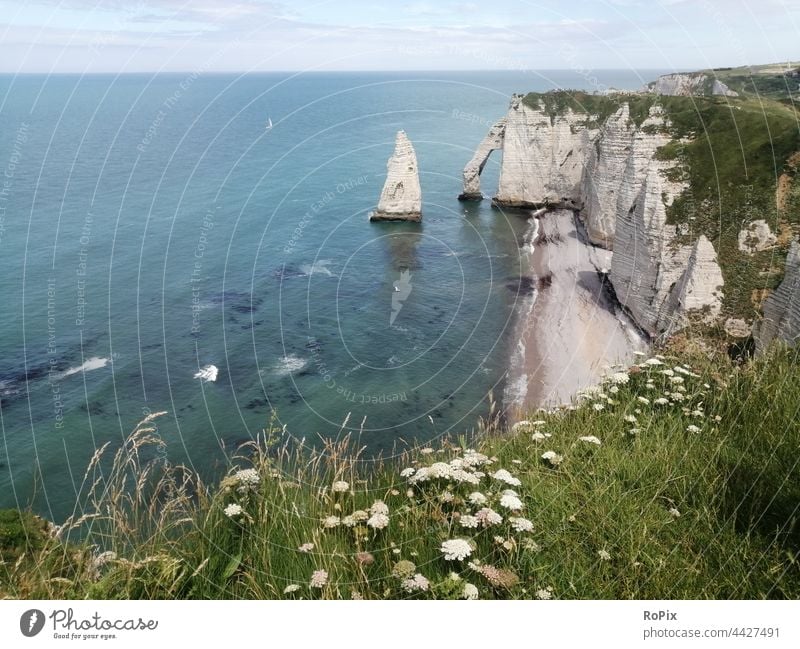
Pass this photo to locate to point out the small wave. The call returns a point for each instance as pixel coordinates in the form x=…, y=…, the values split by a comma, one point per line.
x=207, y=373
x=94, y=363
x=289, y=365
x=320, y=267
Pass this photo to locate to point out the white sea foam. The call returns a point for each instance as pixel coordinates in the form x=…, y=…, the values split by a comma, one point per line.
x=289, y=365
x=94, y=363
x=320, y=267
x=207, y=373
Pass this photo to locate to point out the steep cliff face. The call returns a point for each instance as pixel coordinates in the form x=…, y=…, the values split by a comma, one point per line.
x=543, y=157
x=690, y=84
x=401, y=198
x=782, y=308
x=607, y=170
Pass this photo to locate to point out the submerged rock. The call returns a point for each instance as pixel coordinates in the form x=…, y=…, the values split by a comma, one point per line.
x=401, y=198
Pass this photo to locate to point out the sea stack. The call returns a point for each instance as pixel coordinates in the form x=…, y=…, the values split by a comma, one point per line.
x=401, y=198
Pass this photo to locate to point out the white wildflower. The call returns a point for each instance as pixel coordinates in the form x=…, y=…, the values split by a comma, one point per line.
x=552, y=457
x=477, y=498
x=468, y=521
x=446, y=497
x=488, y=516
x=545, y=593
x=604, y=555
x=439, y=470
x=319, y=578
x=692, y=428
x=470, y=592
x=613, y=390
x=378, y=521
x=306, y=547
x=456, y=549
x=329, y=522
x=591, y=439
x=661, y=401
x=379, y=507
x=630, y=419
x=291, y=588
x=233, y=510
x=510, y=501
x=415, y=583
x=407, y=473
x=598, y=406
x=538, y=437
x=674, y=512
x=620, y=378
x=520, y=524
x=247, y=477
x=653, y=361
x=504, y=476
x=340, y=486
x=643, y=400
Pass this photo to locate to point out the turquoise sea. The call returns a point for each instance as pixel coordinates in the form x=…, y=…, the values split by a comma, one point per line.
x=151, y=226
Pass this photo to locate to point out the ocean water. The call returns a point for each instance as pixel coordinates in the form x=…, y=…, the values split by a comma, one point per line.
x=151, y=226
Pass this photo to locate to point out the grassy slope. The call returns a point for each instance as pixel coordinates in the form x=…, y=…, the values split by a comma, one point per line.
x=731, y=153
x=735, y=484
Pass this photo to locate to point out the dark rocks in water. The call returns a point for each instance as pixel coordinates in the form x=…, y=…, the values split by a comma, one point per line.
x=93, y=408
x=523, y=285
x=253, y=404
x=545, y=281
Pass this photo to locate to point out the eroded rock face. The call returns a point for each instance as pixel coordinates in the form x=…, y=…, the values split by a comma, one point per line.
x=782, y=308
x=688, y=85
x=543, y=159
x=401, y=198
x=756, y=237
x=472, y=172
x=613, y=178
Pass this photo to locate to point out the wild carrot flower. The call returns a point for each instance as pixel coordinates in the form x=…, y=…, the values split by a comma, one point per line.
x=510, y=500
x=674, y=513
x=598, y=406
x=604, y=555
x=233, y=510
x=378, y=521
x=545, y=593
x=520, y=524
x=692, y=428
x=407, y=473
x=591, y=439
x=415, y=583
x=470, y=592
x=306, y=547
x=487, y=517
x=468, y=521
x=620, y=378
x=477, y=498
x=319, y=578
x=504, y=476
x=379, y=507
x=552, y=457
x=247, y=478
x=291, y=588
x=340, y=486
x=456, y=549
x=329, y=522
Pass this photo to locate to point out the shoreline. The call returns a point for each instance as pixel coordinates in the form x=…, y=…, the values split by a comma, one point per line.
x=569, y=333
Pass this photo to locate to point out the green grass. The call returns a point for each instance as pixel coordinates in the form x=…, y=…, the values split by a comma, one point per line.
x=664, y=512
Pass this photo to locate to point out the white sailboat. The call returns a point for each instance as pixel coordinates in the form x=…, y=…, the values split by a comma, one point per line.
x=269, y=123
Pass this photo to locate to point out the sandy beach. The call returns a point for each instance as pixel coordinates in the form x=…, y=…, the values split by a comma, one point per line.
x=569, y=332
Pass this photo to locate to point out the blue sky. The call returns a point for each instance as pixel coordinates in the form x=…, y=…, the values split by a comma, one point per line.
x=251, y=35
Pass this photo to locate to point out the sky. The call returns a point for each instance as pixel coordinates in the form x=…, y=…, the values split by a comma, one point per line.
x=89, y=36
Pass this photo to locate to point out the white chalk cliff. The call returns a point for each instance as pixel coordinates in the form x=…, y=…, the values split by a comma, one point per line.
x=401, y=198
x=681, y=84
x=611, y=176
x=782, y=307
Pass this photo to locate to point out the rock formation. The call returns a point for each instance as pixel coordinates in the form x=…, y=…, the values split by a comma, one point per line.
x=782, y=307
x=689, y=84
x=401, y=198
x=472, y=172
x=543, y=158
x=756, y=237
x=611, y=176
